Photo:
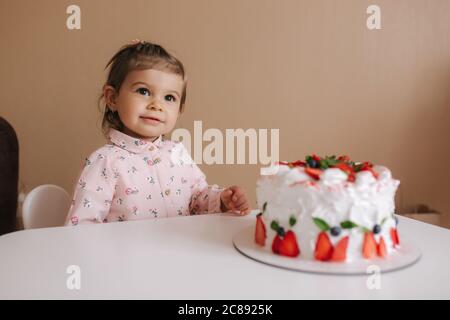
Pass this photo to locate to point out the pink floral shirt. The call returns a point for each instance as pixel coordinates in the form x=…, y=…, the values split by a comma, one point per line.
x=132, y=179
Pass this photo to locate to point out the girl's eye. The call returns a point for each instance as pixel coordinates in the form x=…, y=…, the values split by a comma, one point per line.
x=143, y=91
x=170, y=98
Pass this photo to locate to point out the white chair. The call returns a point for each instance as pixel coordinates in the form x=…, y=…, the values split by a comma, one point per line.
x=45, y=206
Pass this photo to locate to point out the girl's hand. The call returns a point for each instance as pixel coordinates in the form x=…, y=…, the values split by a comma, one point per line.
x=234, y=199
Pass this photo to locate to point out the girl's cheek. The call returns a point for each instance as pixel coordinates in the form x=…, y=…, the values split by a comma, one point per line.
x=173, y=121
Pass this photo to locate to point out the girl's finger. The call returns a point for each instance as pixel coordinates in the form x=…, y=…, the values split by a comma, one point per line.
x=236, y=189
x=242, y=201
x=240, y=198
x=226, y=195
x=236, y=197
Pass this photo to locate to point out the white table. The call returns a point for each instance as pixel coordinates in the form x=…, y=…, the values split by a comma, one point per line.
x=194, y=258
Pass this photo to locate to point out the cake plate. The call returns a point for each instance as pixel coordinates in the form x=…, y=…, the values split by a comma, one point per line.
x=404, y=256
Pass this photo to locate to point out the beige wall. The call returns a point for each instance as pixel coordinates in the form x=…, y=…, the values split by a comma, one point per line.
x=310, y=68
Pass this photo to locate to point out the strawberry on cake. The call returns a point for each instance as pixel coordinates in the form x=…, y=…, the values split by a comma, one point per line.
x=327, y=209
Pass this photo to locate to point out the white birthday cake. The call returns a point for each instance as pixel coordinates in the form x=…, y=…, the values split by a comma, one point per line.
x=327, y=209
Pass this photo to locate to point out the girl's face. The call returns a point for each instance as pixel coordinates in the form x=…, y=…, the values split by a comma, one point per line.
x=148, y=102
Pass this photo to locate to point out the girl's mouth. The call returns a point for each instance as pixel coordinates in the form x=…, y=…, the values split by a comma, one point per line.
x=151, y=120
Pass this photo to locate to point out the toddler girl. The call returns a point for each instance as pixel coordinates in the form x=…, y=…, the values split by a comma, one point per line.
x=139, y=174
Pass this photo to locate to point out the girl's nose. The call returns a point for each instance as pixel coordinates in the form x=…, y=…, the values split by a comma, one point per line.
x=154, y=105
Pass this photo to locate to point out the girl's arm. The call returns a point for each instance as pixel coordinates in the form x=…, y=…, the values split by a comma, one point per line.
x=212, y=199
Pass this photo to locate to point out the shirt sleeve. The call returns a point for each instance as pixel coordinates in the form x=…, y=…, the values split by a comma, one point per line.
x=205, y=198
x=93, y=192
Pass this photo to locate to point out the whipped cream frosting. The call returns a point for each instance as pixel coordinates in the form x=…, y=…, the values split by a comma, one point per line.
x=366, y=202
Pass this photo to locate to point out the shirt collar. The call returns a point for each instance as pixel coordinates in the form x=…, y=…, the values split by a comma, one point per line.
x=132, y=144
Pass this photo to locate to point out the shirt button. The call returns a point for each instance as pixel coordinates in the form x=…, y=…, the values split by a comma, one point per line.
x=167, y=192
x=151, y=148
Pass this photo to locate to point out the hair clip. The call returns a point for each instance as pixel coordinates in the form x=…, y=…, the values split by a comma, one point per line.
x=137, y=41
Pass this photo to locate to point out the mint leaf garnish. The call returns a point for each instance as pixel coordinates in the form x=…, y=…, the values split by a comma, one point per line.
x=323, y=164
x=348, y=224
x=321, y=224
x=292, y=220
x=275, y=226
x=264, y=206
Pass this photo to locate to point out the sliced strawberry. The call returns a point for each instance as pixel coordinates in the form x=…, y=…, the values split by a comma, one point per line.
x=366, y=165
x=298, y=163
x=316, y=157
x=375, y=175
x=347, y=169
x=394, y=237
x=288, y=246
x=313, y=173
x=324, y=247
x=381, y=248
x=340, y=251
x=260, y=231
x=351, y=177
x=344, y=167
x=344, y=158
x=276, y=244
x=369, y=246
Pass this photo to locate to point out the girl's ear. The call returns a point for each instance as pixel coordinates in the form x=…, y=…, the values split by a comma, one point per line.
x=110, y=96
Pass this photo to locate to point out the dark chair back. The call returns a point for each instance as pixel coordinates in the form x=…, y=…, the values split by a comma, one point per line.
x=9, y=177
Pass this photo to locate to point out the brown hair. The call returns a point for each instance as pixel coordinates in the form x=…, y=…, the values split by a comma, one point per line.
x=138, y=56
